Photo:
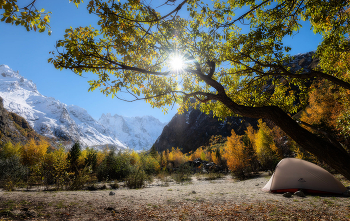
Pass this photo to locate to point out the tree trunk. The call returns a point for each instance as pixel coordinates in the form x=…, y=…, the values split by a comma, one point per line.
x=337, y=158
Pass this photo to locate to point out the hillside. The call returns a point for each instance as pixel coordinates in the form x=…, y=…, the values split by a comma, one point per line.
x=193, y=129
x=14, y=128
x=70, y=123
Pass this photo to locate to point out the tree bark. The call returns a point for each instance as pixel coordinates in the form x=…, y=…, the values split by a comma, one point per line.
x=337, y=158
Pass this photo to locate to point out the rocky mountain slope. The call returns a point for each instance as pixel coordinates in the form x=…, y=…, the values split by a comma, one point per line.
x=14, y=128
x=56, y=120
x=193, y=129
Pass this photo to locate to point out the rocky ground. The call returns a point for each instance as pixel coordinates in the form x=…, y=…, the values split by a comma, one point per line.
x=198, y=199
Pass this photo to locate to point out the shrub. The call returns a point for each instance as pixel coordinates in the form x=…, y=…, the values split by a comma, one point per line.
x=115, y=185
x=79, y=180
x=136, y=179
x=182, y=174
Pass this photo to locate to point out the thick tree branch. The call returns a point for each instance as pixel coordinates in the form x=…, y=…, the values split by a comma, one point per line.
x=211, y=65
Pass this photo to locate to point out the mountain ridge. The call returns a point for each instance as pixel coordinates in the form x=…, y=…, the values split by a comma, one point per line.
x=56, y=120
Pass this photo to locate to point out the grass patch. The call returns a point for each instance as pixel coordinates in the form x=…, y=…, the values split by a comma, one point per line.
x=60, y=205
x=328, y=202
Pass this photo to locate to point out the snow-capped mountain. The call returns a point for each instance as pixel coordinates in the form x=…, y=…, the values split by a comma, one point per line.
x=135, y=132
x=54, y=119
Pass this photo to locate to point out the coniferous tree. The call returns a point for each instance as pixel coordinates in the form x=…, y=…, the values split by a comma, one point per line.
x=73, y=156
x=154, y=152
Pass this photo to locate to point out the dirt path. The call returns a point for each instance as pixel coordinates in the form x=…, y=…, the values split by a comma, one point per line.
x=222, y=199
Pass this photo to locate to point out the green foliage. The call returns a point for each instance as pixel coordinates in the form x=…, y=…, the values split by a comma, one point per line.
x=78, y=181
x=182, y=174
x=114, y=166
x=137, y=178
x=153, y=152
x=27, y=16
x=124, y=58
x=56, y=168
x=266, y=150
x=9, y=150
x=91, y=158
x=73, y=156
x=12, y=172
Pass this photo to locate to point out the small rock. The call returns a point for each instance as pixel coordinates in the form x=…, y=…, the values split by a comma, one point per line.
x=92, y=188
x=111, y=193
x=194, y=192
x=110, y=208
x=299, y=193
x=257, y=184
x=31, y=213
x=14, y=212
x=287, y=194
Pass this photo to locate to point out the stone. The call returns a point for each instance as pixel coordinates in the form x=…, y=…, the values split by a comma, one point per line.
x=31, y=213
x=194, y=192
x=299, y=193
x=287, y=194
x=111, y=193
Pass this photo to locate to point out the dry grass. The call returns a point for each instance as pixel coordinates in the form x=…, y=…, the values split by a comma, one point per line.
x=221, y=199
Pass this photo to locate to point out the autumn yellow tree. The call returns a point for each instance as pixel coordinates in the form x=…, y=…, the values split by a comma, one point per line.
x=238, y=156
x=164, y=159
x=177, y=157
x=56, y=166
x=328, y=113
x=266, y=150
x=33, y=156
x=9, y=150
x=33, y=153
x=217, y=157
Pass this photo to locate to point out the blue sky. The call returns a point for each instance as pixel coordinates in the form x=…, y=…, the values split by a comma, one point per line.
x=28, y=52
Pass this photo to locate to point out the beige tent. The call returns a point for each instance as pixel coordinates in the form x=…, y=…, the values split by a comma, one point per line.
x=293, y=174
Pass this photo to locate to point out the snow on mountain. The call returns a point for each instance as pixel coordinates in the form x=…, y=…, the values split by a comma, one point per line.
x=50, y=117
x=135, y=132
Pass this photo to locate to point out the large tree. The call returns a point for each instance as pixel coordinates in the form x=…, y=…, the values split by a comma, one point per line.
x=227, y=69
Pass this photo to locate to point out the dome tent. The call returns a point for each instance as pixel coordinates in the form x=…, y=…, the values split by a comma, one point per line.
x=293, y=174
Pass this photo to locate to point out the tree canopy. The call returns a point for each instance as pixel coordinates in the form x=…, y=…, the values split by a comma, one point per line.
x=226, y=69
x=27, y=15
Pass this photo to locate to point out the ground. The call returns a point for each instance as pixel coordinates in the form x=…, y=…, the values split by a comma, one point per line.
x=199, y=199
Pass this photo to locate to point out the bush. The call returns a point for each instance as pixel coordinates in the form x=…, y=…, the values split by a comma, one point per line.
x=182, y=174
x=79, y=180
x=115, y=185
x=213, y=176
x=136, y=179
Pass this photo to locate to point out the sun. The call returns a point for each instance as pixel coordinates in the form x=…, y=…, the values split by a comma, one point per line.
x=176, y=62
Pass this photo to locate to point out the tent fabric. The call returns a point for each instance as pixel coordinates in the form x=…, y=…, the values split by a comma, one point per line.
x=293, y=174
